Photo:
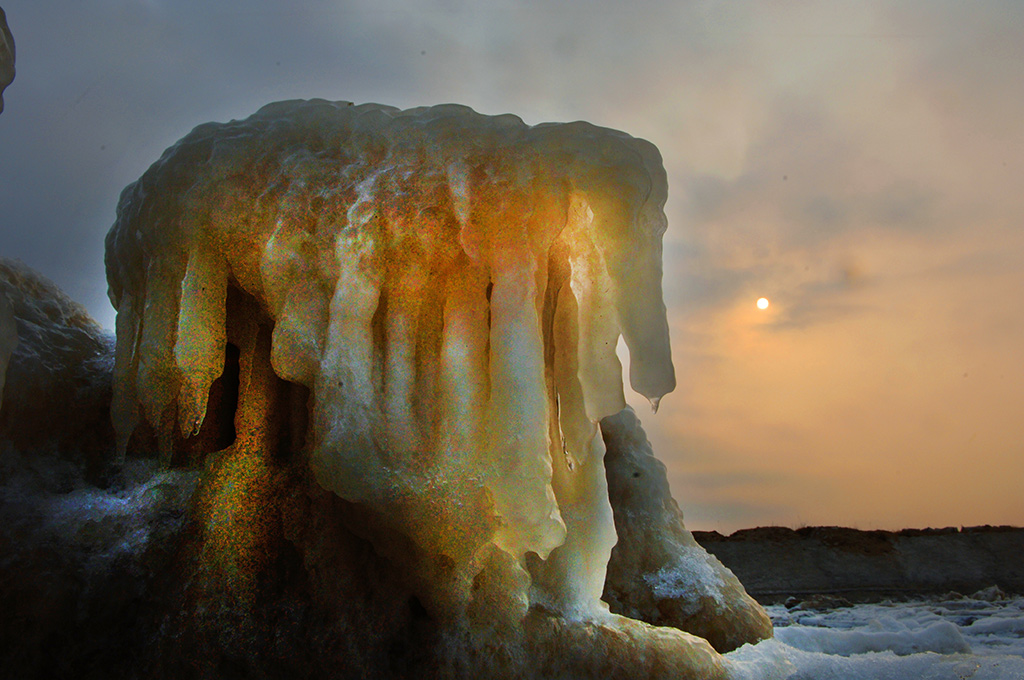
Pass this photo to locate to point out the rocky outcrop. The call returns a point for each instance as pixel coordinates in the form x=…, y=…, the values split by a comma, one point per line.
x=55, y=374
x=6, y=57
x=776, y=563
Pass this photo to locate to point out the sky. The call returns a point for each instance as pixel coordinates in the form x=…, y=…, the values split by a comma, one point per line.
x=858, y=163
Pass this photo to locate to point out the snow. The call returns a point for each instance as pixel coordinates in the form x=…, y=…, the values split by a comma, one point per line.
x=980, y=637
x=692, y=572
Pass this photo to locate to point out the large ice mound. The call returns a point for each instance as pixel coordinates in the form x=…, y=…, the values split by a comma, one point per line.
x=448, y=289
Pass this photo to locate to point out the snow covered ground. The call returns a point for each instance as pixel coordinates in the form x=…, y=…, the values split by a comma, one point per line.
x=980, y=637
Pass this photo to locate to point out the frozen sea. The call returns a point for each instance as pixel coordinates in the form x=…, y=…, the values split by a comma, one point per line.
x=947, y=638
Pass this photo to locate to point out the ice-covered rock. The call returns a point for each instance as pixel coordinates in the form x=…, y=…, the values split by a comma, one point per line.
x=450, y=288
x=240, y=564
x=422, y=306
x=55, y=373
x=658, y=572
x=6, y=57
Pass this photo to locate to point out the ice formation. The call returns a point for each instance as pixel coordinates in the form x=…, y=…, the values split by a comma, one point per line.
x=657, y=572
x=6, y=57
x=450, y=287
x=931, y=638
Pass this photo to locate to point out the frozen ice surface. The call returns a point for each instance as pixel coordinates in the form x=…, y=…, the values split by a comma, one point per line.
x=935, y=639
x=941, y=637
x=692, y=571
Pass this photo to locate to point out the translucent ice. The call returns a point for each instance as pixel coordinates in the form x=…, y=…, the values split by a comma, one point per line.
x=657, y=571
x=449, y=286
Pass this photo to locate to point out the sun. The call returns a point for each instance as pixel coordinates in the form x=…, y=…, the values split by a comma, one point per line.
x=762, y=303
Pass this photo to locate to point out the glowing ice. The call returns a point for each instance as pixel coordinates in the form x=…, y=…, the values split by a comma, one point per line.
x=449, y=286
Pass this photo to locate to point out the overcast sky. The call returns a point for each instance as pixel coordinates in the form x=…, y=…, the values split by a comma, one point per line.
x=861, y=164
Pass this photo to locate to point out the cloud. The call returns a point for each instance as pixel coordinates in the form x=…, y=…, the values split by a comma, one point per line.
x=857, y=163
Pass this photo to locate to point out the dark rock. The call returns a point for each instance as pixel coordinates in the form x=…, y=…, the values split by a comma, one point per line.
x=58, y=383
x=775, y=562
x=818, y=602
x=6, y=57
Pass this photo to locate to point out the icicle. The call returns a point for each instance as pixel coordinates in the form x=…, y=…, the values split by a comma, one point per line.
x=400, y=375
x=518, y=471
x=125, y=402
x=347, y=415
x=599, y=369
x=201, y=337
x=572, y=579
x=299, y=300
x=158, y=376
x=464, y=367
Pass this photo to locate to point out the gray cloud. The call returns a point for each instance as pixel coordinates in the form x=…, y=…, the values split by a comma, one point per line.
x=798, y=136
x=106, y=86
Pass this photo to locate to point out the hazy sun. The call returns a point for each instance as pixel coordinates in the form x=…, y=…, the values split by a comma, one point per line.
x=762, y=303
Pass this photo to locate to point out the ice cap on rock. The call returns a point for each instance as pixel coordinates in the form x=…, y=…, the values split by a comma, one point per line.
x=450, y=288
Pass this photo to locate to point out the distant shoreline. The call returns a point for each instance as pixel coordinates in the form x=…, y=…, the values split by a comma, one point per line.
x=760, y=532
x=776, y=563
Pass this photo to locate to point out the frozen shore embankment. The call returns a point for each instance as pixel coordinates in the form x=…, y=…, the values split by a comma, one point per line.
x=775, y=563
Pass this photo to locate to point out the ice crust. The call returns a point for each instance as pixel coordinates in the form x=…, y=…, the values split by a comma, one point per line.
x=692, y=572
x=931, y=639
x=449, y=286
